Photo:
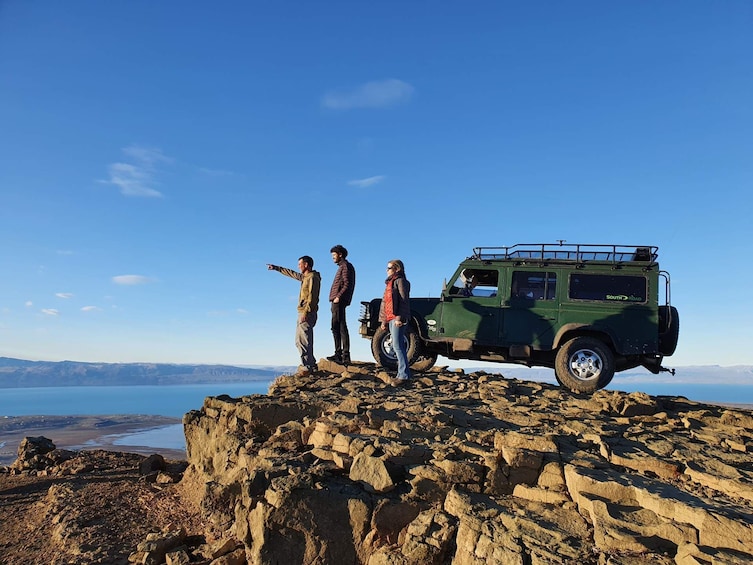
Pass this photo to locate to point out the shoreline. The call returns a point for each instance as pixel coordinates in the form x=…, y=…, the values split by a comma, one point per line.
x=84, y=433
x=736, y=406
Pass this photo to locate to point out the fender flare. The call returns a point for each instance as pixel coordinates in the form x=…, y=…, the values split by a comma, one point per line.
x=563, y=335
x=419, y=324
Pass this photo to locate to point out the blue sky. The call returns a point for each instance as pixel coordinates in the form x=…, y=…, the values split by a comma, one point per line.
x=154, y=156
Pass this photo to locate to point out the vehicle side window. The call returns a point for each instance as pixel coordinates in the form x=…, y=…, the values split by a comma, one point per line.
x=476, y=282
x=534, y=285
x=608, y=288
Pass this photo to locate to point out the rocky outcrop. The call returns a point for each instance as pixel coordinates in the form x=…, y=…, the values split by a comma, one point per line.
x=469, y=469
x=39, y=455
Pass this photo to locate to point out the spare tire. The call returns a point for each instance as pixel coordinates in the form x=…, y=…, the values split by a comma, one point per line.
x=669, y=329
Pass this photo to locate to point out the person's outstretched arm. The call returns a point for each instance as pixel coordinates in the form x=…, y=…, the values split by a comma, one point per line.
x=285, y=271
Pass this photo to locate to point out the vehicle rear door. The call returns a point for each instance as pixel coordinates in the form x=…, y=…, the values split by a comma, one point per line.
x=531, y=309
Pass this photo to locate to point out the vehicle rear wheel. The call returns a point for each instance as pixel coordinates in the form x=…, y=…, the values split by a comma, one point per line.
x=669, y=329
x=384, y=353
x=584, y=364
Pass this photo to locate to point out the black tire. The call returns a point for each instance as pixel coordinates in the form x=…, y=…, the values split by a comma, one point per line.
x=669, y=329
x=384, y=355
x=584, y=364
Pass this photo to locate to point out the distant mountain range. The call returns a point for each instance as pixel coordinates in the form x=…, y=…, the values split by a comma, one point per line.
x=18, y=373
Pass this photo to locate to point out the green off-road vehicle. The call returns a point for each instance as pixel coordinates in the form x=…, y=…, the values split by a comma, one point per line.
x=584, y=310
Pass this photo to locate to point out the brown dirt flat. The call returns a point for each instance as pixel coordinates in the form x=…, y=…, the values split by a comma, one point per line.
x=97, y=516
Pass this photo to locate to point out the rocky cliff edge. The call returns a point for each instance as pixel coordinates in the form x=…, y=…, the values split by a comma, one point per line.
x=469, y=469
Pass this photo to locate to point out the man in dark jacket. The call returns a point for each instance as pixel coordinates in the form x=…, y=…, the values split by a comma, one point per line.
x=340, y=295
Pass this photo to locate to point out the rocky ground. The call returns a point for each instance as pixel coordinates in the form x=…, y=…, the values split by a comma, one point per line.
x=341, y=467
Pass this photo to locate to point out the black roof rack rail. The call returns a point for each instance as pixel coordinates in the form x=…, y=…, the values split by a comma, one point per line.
x=574, y=252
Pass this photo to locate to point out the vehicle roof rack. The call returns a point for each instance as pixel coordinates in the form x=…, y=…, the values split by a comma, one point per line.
x=571, y=252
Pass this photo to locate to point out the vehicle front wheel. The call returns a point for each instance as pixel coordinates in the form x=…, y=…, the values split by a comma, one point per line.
x=384, y=353
x=584, y=364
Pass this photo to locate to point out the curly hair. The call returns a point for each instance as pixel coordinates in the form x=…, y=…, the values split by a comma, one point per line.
x=339, y=249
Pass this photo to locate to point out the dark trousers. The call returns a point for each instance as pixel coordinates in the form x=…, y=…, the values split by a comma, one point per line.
x=340, y=330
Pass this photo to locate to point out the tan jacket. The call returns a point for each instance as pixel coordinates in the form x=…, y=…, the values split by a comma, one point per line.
x=311, y=282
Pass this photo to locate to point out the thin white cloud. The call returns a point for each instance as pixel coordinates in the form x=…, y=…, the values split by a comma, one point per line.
x=132, y=180
x=91, y=309
x=29, y=304
x=147, y=156
x=138, y=177
x=50, y=311
x=130, y=280
x=377, y=94
x=64, y=294
x=242, y=311
x=370, y=181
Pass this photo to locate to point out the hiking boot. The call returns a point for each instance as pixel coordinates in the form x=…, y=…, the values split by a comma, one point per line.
x=337, y=358
x=399, y=382
x=345, y=359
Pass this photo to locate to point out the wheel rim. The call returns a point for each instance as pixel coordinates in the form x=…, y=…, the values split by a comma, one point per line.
x=585, y=364
x=387, y=348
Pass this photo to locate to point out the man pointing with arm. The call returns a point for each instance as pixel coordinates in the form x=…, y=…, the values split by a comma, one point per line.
x=308, y=306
